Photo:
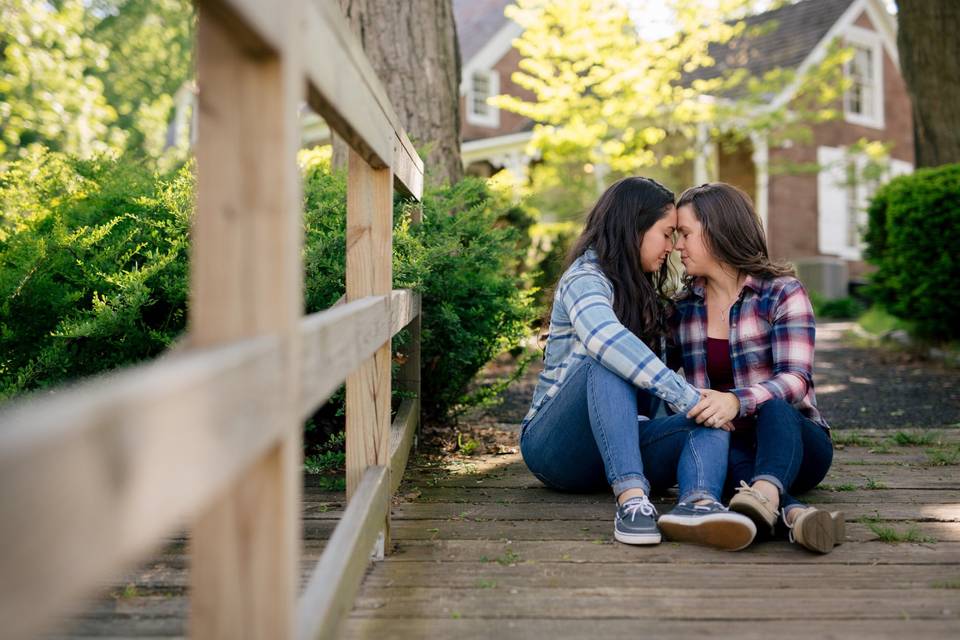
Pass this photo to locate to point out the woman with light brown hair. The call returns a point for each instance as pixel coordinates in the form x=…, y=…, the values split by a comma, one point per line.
x=746, y=329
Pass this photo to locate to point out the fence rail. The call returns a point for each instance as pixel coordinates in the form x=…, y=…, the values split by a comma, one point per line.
x=93, y=477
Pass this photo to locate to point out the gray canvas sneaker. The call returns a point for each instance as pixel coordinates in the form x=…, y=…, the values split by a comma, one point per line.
x=708, y=524
x=636, y=522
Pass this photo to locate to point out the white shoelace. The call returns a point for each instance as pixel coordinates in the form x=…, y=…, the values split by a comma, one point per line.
x=642, y=504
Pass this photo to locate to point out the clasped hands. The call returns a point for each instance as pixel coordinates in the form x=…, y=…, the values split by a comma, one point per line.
x=716, y=409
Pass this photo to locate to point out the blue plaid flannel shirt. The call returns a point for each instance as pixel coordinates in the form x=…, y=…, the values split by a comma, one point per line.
x=583, y=325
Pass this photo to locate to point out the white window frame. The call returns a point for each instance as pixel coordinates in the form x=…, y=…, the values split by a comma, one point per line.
x=872, y=41
x=842, y=206
x=492, y=117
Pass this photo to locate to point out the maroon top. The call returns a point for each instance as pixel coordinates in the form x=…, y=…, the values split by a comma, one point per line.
x=720, y=372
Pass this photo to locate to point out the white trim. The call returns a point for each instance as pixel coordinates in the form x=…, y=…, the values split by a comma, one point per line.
x=882, y=21
x=492, y=117
x=490, y=149
x=872, y=41
x=491, y=53
x=761, y=164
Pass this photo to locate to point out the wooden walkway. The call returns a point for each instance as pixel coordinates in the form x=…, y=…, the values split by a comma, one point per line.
x=483, y=550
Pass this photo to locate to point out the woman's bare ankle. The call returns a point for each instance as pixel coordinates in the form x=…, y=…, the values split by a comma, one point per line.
x=769, y=491
x=630, y=493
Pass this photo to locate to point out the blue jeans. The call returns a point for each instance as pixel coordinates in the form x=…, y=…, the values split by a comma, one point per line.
x=785, y=448
x=589, y=436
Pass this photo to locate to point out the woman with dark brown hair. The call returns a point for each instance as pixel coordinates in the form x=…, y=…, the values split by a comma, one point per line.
x=604, y=358
x=746, y=329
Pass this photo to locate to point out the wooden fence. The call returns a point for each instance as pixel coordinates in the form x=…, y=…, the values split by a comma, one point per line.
x=94, y=477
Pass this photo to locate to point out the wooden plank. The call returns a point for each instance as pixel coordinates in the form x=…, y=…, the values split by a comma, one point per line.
x=481, y=495
x=92, y=476
x=388, y=577
x=597, y=532
x=822, y=602
x=407, y=168
x=336, y=341
x=331, y=590
x=256, y=27
x=588, y=551
x=401, y=438
x=247, y=280
x=949, y=512
x=794, y=626
x=369, y=272
x=337, y=91
x=405, y=156
x=404, y=308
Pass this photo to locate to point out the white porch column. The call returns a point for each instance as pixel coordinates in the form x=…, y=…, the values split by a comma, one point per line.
x=761, y=163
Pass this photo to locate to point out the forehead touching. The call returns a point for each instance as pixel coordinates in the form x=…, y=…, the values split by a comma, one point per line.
x=669, y=219
x=687, y=219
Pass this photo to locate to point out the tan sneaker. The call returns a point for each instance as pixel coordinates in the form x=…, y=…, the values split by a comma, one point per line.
x=817, y=530
x=755, y=506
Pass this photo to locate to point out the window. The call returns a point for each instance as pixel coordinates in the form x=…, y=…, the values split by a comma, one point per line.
x=844, y=188
x=863, y=101
x=483, y=85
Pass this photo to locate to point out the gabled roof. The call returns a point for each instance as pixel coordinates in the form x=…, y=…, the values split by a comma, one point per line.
x=789, y=35
x=477, y=22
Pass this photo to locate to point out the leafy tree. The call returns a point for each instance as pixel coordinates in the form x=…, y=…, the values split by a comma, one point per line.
x=609, y=103
x=150, y=58
x=50, y=94
x=89, y=76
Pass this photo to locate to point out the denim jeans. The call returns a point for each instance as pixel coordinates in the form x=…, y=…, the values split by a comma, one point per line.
x=589, y=436
x=785, y=448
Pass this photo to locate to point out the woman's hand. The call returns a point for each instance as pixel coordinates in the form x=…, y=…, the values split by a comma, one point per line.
x=716, y=409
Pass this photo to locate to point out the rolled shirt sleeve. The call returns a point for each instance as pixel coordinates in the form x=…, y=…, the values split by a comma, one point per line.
x=587, y=299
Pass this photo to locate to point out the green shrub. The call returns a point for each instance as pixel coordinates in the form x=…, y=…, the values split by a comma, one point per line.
x=912, y=235
x=839, y=308
x=93, y=267
x=93, y=271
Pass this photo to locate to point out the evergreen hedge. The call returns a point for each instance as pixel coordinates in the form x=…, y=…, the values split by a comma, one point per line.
x=912, y=237
x=94, y=270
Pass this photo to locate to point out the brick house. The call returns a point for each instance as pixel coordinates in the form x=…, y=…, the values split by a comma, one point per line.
x=812, y=219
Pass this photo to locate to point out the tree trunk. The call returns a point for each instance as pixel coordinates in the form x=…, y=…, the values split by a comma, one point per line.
x=930, y=62
x=412, y=46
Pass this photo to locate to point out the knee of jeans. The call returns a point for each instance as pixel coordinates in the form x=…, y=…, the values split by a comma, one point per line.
x=774, y=406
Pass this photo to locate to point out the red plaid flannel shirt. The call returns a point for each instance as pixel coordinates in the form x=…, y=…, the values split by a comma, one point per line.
x=772, y=334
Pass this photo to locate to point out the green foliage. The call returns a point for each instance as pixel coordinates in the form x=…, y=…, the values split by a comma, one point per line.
x=914, y=226
x=840, y=308
x=49, y=92
x=91, y=76
x=93, y=271
x=609, y=102
x=93, y=267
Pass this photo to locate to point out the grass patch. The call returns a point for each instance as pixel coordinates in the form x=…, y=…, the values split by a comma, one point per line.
x=943, y=457
x=851, y=439
x=946, y=584
x=890, y=535
x=904, y=439
x=872, y=485
x=486, y=584
x=508, y=559
x=877, y=321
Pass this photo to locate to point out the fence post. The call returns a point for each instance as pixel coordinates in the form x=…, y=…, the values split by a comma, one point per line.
x=246, y=280
x=369, y=272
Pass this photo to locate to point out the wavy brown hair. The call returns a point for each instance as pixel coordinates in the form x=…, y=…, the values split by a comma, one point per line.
x=732, y=229
x=614, y=229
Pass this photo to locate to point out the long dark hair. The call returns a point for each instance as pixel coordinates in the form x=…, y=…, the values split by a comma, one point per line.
x=732, y=229
x=614, y=229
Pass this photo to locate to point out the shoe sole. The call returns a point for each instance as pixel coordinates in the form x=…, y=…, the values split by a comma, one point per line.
x=839, y=527
x=754, y=512
x=815, y=531
x=636, y=538
x=721, y=531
